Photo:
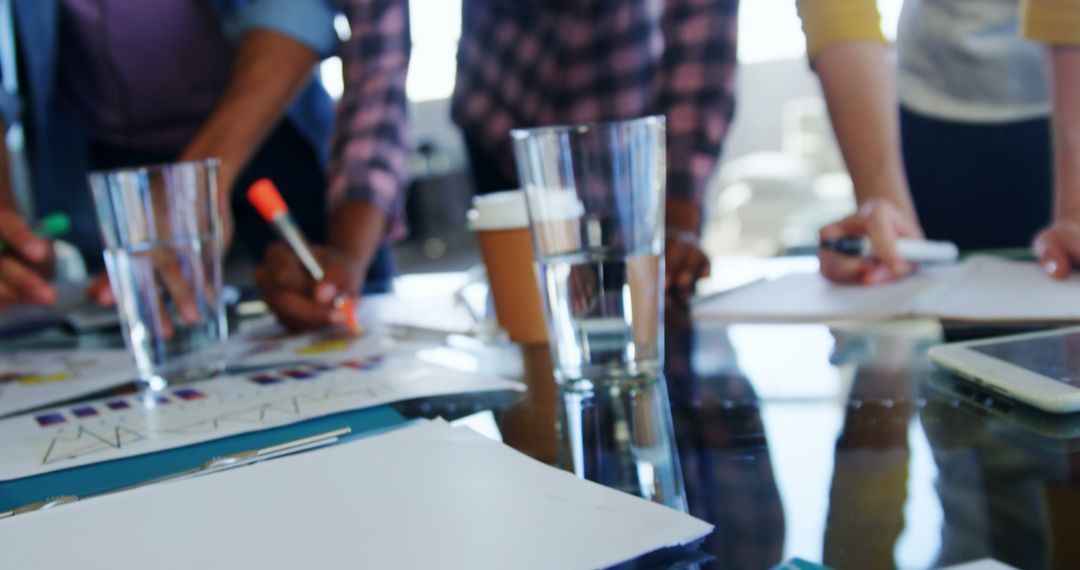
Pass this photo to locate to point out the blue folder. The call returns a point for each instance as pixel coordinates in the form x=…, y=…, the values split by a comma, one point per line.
x=110, y=475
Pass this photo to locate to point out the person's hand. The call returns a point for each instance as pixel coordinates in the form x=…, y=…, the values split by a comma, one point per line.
x=1058, y=248
x=299, y=302
x=26, y=263
x=100, y=291
x=685, y=262
x=882, y=223
x=182, y=291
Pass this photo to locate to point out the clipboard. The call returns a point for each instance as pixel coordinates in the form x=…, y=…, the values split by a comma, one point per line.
x=110, y=476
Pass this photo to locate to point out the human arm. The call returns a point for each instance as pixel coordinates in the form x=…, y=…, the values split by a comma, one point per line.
x=849, y=54
x=26, y=261
x=369, y=169
x=1058, y=24
x=269, y=70
x=278, y=43
x=697, y=96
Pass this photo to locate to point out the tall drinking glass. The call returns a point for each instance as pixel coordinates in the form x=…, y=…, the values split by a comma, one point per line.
x=162, y=231
x=595, y=197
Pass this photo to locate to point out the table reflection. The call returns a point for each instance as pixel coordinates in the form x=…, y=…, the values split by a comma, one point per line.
x=723, y=449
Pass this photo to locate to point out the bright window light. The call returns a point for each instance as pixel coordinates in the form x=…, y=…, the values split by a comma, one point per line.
x=330, y=72
x=770, y=30
x=436, y=28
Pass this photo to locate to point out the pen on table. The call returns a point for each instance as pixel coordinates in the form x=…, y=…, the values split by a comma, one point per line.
x=914, y=250
x=268, y=201
x=52, y=226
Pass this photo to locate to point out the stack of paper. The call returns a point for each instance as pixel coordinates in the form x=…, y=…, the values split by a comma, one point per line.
x=982, y=289
x=428, y=496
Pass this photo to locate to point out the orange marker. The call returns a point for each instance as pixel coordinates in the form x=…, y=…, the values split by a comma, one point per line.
x=268, y=201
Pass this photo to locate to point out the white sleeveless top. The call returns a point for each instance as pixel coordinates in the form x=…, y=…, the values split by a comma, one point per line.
x=965, y=60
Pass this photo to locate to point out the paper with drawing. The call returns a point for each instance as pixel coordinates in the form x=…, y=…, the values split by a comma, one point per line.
x=30, y=379
x=113, y=428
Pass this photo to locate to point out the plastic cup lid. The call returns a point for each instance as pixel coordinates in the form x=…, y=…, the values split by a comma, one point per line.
x=507, y=210
x=499, y=211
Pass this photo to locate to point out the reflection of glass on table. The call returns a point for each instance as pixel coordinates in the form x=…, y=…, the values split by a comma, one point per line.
x=620, y=434
x=162, y=231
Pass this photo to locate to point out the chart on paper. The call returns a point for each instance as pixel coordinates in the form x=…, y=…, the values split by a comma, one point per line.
x=31, y=379
x=113, y=428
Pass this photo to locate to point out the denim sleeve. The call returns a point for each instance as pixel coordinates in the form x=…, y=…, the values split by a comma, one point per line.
x=308, y=21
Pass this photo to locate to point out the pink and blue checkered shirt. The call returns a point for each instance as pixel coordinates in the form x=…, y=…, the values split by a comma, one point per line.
x=371, y=144
x=525, y=63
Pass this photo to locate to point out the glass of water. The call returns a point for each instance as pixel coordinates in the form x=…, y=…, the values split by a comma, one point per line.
x=162, y=231
x=595, y=196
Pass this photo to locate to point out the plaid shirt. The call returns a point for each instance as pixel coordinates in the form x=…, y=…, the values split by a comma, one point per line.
x=525, y=63
x=370, y=148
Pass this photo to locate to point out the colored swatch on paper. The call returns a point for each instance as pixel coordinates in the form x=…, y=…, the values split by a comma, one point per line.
x=84, y=412
x=117, y=405
x=51, y=419
x=189, y=394
x=312, y=371
x=163, y=400
x=366, y=364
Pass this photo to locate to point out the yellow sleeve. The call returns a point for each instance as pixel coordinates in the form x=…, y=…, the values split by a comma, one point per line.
x=830, y=22
x=1051, y=21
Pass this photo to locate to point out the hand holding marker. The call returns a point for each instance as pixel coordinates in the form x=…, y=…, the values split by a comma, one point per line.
x=913, y=250
x=50, y=227
x=268, y=201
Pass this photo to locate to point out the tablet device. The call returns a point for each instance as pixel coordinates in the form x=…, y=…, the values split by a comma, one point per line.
x=1041, y=369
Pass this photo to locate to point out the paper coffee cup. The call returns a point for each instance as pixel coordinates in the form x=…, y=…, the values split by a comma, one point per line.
x=501, y=223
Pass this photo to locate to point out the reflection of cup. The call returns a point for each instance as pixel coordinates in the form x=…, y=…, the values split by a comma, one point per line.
x=596, y=204
x=161, y=227
x=502, y=228
x=529, y=426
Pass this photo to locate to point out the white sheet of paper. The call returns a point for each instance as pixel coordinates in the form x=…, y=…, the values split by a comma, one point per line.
x=426, y=496
x=982, y=289
x=439, y=314
x=809, y=297
x=113, y=428
x=31, y=379
x=1000, y=290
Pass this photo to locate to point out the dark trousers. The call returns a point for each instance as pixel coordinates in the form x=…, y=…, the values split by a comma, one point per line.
x=487, y=173
x=290, y=162
x=981, y=186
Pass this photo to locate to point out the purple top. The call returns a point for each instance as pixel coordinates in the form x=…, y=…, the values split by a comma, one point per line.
x=141, y=75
